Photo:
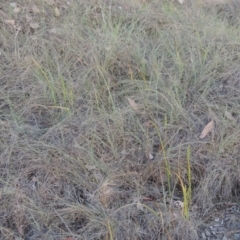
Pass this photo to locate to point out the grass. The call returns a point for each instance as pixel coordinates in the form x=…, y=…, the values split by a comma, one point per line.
x=186, y=189
x=77, y=161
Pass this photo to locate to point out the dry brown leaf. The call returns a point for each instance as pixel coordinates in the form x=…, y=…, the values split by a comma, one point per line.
x=133, y=104
x=229, y=116
x=9, y=21
x=106, y=192
x=56, y=12
x=207, y=129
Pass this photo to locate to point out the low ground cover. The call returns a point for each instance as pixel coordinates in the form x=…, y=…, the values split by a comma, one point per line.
x=104, y=113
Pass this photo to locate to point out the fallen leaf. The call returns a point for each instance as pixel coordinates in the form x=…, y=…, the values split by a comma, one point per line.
x=35, y=9
x=106, y=193
x=16, y=9
x=148, y=199
x=50, y=2
x=229, y=116
x=133, y=104
x=56, y=12
x=9, y=21
x=207, y=129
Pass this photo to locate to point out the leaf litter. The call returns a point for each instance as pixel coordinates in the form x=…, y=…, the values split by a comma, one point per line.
x=207, y=129
x=56, y=12
x=133, y=104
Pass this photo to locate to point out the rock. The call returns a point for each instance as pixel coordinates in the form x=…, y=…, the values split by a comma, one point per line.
x=207, y=233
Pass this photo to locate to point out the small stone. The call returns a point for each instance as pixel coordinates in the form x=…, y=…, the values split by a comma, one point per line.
x=217, y=220
x=13, y=5
x=236, y=236
x=204, y=236
x=220, y=236
x=224, y=238
x=207, y=233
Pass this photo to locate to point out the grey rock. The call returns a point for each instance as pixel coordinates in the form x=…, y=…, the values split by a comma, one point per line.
x=203, y=235
x=236, y=236
x=207, y=233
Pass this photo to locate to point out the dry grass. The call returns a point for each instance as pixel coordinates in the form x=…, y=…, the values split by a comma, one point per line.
x=75, y=157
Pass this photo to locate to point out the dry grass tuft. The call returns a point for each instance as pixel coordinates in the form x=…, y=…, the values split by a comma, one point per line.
x=78, y=159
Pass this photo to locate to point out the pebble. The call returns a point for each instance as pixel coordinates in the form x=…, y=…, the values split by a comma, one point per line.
x=203, y=235
x=236, y=236
x=207, y=233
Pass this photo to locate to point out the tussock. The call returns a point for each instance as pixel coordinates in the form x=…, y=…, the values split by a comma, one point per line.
x=87, y=96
